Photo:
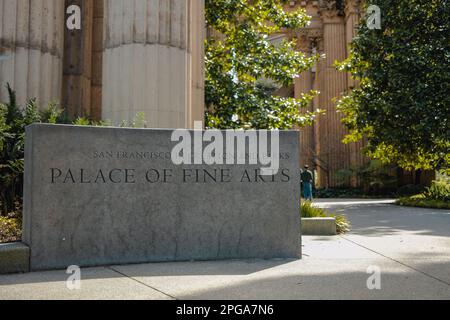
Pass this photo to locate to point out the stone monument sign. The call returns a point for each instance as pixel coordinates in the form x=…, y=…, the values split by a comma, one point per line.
x=101, y=196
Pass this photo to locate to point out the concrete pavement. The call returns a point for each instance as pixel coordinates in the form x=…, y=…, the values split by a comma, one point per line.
x=411, y=247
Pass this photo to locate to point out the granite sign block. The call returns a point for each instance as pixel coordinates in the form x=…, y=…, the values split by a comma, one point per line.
x=100, y=196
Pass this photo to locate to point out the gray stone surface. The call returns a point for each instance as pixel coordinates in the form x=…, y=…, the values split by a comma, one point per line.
x=14, y=258
x=96, y=284
x=319, y=226
x=332, y=267
x=79, y=218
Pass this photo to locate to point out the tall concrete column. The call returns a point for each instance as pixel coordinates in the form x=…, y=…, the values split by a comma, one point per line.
x=352, y=12
x=31, y=49
x=352, y=17
x=334, y=153
x=153, y=61
x=310, y=41
x=304, y=84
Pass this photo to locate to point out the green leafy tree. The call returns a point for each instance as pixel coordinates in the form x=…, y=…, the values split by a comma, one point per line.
x=402, y=105
x=242, y=55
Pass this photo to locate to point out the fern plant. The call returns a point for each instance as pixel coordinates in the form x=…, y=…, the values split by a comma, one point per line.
x=439, y=190
x=13, y=121
x=12, y=124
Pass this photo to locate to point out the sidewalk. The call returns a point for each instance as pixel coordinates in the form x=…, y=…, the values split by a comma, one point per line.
x=410, y=246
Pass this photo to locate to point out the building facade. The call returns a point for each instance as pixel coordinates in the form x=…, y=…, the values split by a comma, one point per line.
x=332, y=28
x=146, y=56
x=128, y=57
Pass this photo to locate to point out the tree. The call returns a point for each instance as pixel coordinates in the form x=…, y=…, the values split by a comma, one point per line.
x=242, y=55
x=402, y=105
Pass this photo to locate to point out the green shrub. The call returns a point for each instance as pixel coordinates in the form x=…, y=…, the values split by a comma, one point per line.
x=410, y=189
x=12, y=144
x=309, y=211
x=11, y=226
x=327, y=193
x=439, y=190
x=342, y=224
x=345, y=193
x=377, y=179
x=10, y=229
x=82, y=122
x=437, y=196
x=421, y=201
x=13, y=121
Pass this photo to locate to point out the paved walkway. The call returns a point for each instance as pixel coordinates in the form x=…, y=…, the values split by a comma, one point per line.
x=411, y=247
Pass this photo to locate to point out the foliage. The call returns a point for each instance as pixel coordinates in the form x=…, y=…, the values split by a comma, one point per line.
x=13, y=121
x=327, y=193
x=88, y=122
x=402, y=105
x=436, y=196
x=376, y=177
x=11, y=226
x=410, y=190
x=342, y=224
x=52, y=114
x=421, y=201
x=138, y=122
x=439, y=190
x=242, y=55
x=82, y=122
x=346, y=193
x=10, y=229
x=310, y=211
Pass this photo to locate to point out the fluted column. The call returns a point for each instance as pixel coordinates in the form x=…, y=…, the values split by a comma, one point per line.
x=152, y=61
x=352, y=11
x=31, y=49
x=304, y=84
x=310, y=41
x=334, y=153
x=352, y=16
